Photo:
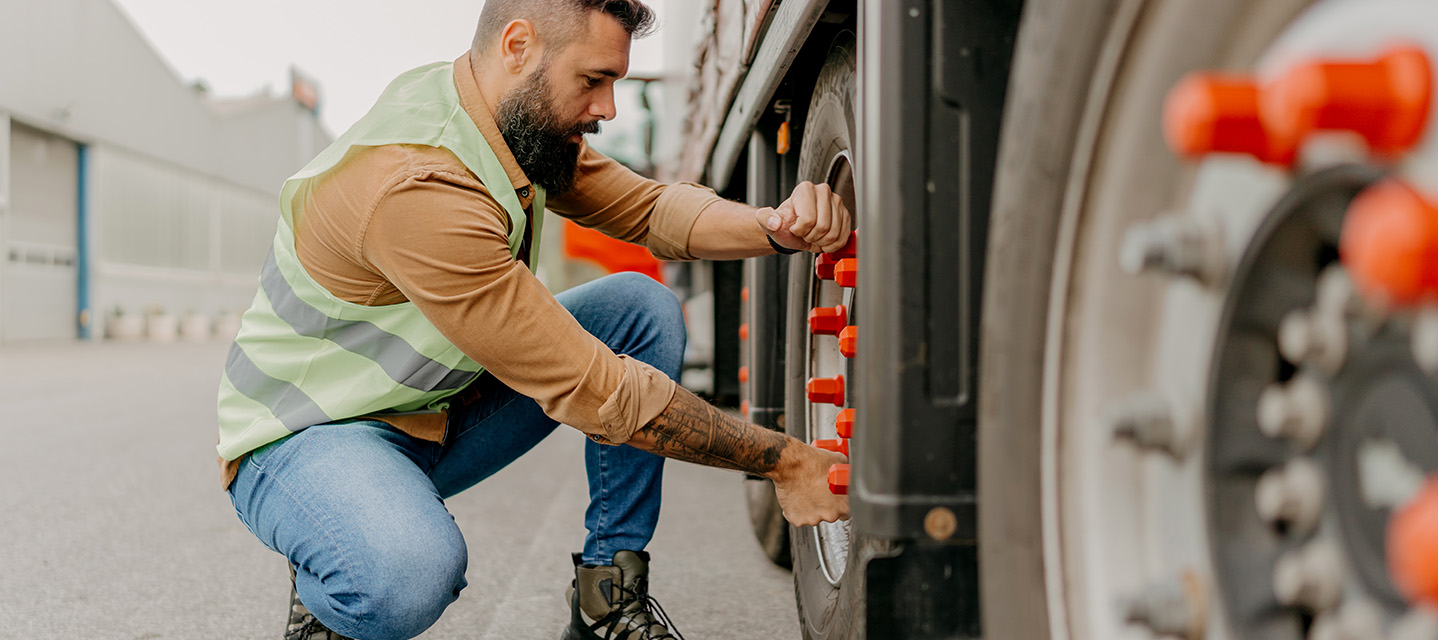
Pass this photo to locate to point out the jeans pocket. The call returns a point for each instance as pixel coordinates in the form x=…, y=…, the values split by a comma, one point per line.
x=256, y=459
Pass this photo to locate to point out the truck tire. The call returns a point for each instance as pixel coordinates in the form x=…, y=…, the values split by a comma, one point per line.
x=1083, y=160
x=767, y=520
x=830, y=602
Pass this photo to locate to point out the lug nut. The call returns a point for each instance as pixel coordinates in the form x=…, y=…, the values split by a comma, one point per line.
x=1413, y=546
x=1291, y=495
x=846, y=273
x=1168, y=608
x=1385, y=101
x=1211, y=113
x=1360, y=620
x=743, y=375
x=845, y=424
x=839, y=479
x=1173, y=245
x=828, y=321
x=1390, y=244
x=1320, y=340
x=1298, y=411
x=826, y=390
x=1147, y=420
x=744, y=331
x=1310, y=577
x=849, y=341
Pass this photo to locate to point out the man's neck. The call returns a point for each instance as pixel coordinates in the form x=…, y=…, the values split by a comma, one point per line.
x=491, y=85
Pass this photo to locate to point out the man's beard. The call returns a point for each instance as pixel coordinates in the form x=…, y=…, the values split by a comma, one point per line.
x=537, y=137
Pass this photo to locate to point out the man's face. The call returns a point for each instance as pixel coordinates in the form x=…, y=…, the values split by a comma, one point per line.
x=545, y=117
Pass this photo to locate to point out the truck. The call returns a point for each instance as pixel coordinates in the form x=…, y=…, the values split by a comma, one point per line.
x=1115, y=379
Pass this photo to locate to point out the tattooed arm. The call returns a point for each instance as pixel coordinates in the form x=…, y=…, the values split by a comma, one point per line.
x=692, y=430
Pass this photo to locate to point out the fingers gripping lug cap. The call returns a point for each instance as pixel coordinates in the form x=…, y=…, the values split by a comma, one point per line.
x=826, y=390
x=828, y=321
x=839, y=479
x=1390, y=244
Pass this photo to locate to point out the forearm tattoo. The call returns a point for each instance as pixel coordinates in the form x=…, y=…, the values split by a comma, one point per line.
x=692, y=430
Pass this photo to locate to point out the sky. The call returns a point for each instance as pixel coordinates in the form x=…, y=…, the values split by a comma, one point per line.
x=353, y=48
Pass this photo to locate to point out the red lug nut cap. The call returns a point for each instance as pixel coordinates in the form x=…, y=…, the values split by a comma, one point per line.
x=845, y=424
x=744, y=331
x=837, y=445
x=849, y=341
x=1385, y=101
x=824, y=266
x=826, y=390
x=850, y=249
x=743, y=374
x=846, y=273
x=839, y=479
x=1413, y=546
x=1390, y=244
x=828, y=321
x=1211, y=113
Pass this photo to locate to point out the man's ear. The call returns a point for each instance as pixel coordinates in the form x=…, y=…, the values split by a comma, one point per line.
x=518, y=45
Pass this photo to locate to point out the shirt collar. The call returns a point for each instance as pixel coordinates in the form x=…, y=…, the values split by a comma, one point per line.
x=483, y=117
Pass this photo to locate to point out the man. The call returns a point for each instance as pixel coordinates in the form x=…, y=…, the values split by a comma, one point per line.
x=352, y=402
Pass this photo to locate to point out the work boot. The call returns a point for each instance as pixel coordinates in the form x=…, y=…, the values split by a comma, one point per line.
x=611, y=602
x=303, y=625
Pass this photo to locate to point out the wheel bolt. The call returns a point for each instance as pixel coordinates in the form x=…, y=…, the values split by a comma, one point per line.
x=1173, y=245
x=849, y=341
x=828, y=321
x=1291, y=495
x=1147, y=420
x=1419, y=623
x=837, y=445
x=826, y=390
x=1298, y=411
x=1317, y=339
x=824, y=266
x=1310, y=577
x=1168, y=608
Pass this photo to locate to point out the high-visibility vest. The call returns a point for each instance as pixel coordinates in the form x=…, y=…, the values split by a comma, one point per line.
x=305, y=357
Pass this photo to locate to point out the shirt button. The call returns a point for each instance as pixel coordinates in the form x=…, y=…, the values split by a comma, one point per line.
x=524, y=193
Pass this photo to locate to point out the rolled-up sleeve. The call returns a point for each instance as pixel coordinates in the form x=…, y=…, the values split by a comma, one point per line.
x=442, y=241
x=622, y=204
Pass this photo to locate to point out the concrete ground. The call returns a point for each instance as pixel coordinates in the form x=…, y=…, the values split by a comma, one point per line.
x=113, y=526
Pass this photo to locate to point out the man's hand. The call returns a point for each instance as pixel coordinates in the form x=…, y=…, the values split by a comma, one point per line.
x=691, y=429
x=803, y=488
x=813, y=219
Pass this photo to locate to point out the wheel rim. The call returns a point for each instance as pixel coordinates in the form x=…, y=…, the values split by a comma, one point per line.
x=832, y=539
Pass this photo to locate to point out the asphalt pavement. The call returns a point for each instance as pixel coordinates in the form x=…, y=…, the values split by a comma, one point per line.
x=113, y=524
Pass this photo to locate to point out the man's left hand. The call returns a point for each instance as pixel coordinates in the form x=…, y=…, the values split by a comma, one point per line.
x=813, y=219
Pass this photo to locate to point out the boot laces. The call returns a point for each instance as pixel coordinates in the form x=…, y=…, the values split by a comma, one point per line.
x=651, y=609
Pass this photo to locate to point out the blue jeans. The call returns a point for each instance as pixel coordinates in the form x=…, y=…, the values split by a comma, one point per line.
x=358, y=507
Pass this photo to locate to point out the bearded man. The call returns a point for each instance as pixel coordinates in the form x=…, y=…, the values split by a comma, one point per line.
x=400, y=350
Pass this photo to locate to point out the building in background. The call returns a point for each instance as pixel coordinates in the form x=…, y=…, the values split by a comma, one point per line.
x=123, y=190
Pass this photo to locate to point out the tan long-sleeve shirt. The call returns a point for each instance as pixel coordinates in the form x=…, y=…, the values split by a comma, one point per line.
x=410, y=222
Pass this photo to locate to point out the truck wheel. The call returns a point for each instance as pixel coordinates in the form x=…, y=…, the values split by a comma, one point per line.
x=1142, y=472
x=827, y=564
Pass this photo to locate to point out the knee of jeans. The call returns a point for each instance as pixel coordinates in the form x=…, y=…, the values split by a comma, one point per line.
x=663, y=317
x=404, y=593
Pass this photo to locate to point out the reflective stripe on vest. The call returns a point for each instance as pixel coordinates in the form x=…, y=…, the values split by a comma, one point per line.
x=305, y=357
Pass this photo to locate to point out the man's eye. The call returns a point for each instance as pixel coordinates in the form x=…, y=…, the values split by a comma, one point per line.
x=592, y=81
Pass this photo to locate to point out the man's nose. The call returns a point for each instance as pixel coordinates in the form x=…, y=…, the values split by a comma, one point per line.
x=603, y=107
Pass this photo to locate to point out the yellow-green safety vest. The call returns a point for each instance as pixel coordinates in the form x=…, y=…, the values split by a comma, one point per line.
x=305, y=357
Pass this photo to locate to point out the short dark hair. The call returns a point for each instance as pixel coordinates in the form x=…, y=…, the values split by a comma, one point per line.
x=559, y=22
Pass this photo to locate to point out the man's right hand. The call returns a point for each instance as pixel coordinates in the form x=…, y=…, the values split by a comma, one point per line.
x=802, y=486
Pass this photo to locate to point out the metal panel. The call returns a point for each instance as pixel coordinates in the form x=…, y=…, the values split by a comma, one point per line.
x=40, y=248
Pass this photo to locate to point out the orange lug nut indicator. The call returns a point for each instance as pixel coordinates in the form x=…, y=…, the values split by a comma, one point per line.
x=849, y=341
x=828, y=321
x=1413, y=546
x=826, y=390
x=1390, y=244
x=845, y=424
x=846, y=273
x=839, y=479
x=744, y=331
x=837, y=445
x=743, y=374
x=1385, y=101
